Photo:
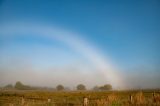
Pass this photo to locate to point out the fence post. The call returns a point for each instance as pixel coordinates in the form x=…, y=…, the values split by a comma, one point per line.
x=85, y=101
x=154, y=97
x=49, y=100
x=22, y=101
x=131, y=98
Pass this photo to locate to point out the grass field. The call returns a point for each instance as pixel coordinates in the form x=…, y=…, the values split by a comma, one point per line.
x=76, y=98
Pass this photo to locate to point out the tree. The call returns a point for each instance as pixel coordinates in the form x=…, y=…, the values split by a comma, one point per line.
x=60, y=87
x=9, y=86
x=81, y=87
x=95, y=88
x=20, y=86
x=106, y=87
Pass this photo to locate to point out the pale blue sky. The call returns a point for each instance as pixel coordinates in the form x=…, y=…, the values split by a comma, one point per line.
x=126, y=31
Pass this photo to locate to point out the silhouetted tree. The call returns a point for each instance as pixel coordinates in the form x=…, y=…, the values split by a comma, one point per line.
x=106, y=87
x=81, y=87
x=20, y=86
x=9, y=86
x=96, y=88
x=60, y=87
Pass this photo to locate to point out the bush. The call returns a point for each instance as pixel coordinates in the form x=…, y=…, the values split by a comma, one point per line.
x=60, y=87
x=81, y=87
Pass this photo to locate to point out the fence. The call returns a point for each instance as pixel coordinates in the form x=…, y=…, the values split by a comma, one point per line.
x=137, y=99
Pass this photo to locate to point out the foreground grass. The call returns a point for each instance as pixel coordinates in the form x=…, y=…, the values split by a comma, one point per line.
x=75, y=98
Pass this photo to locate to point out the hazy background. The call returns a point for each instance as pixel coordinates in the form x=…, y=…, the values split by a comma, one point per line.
x=128, y=32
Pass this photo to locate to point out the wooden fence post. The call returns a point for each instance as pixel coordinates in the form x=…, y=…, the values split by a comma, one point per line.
x=49, y=100
x=85, y=101
x=131, y=98
x=22, y=101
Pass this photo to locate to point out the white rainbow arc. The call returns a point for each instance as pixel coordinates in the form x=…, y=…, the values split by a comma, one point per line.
x=72, y=40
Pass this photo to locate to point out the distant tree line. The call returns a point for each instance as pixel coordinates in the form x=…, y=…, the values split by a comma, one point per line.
x=103, y=88
x=80, y=87
x=18, y=86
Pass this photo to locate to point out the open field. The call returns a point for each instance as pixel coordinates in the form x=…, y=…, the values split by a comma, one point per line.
x=76, y=98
